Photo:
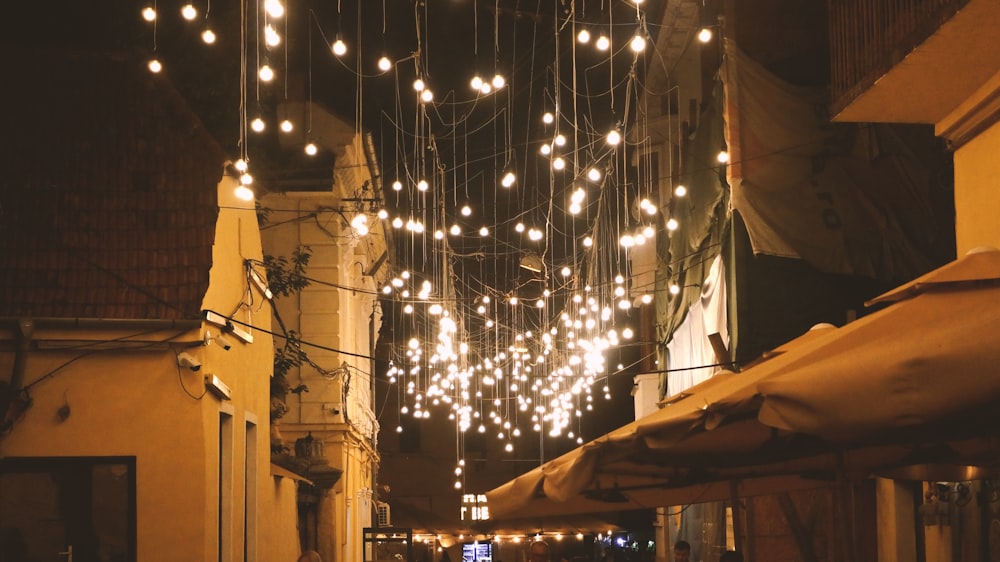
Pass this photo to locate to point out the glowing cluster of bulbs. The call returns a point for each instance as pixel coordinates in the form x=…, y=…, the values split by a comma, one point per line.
x=546, y=377
x=486, y=87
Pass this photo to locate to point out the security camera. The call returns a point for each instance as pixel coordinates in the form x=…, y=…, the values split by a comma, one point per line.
x=187, y=360
x=219, y=340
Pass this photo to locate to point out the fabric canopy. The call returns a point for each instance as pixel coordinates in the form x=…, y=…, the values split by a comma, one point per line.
x=913, y=385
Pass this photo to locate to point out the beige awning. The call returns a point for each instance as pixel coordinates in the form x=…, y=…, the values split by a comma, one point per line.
x=914, y=384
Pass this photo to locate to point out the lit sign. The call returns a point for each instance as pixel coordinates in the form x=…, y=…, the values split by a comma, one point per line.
x=474, y=507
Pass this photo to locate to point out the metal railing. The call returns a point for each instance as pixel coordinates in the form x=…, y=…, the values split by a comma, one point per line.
x=868, y=37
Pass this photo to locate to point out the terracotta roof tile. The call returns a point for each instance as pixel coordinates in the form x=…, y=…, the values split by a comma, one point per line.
x=107, y=192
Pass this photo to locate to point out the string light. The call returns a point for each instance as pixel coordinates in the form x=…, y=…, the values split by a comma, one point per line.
x=603, y=43
x=384, y=64
x=208, y=36
x=188, y=12
x=705, y=35
x=149, y=14
x=339, y=48
x=154, y=66
x=583, y=36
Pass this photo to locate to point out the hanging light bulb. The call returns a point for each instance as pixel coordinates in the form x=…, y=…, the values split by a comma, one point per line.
x=271, y=36
x=723, y=157
x=498, y=81
x=339, y=48
x=149, y=14
x=705, y=35
x=680, y=191
x=274, y=8
x=548, y=118
x=466, y=211
x=154, y=66
x=558, y=163
x=485, y=89
x=484, y=231
x=560, y=140
x=244, y=193
x=188, y=12
x=208, y=36
x=246, y=178
x=508, y=179
x=422, y=185
x=594, y=174
x=384, y=64
x=266, y=73
x=583, y=36
x=427, y=96
x=614, y=137
x=397, y=185
x=286, y=126
x=419, y=85
x=672, y=224
x=476, y=83
x=257, y=125
x=638, y=44
x=545, y=149
x=311, y=149
x=603, y=43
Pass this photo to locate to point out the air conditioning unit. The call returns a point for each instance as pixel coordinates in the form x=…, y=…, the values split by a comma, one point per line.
x=382, y=511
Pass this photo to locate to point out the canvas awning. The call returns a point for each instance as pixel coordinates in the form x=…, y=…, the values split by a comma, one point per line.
x=914, y=385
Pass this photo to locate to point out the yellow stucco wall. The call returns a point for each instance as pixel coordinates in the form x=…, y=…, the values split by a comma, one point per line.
x=141, y=403
x=977, y=204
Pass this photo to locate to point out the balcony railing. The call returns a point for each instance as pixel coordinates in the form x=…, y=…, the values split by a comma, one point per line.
x=868, y=37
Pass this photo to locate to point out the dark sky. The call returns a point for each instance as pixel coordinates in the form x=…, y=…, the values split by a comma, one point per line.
x=466, y=141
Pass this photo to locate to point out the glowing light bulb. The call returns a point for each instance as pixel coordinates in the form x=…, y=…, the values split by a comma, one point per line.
x=271, y=36
x=339, y=48
x=274, y=8
x=566, y=272
x=485, y=88
x=560, y=140
x=208, y=36
x=476, y=83
x=384, y=64
x=422, y=185
x=680, y=191
x=594, y=174
x=705, y=35
x=419, y=85
x=427, y=96
x=588, y=242
x=154, y=66
x=519, y=227
x=266, y=73
x=545, y=149
x=240, y=165
x=498, y=81
x=286, y=126
x=508, y=447
x=311, y=149
x=583, y=36
x=382, y=214
x=674, y=289
x=466, y=211
x=244, y=193
x=603, y=43
x=548, y=118
x=672, y=224
x=723, y=157
x=246, y=178
x=149, y=14
x=397, y=223
x=188, y=12
x=508, y=179
x=484, y=231
x=397, y=185
x=257, y=125
x=558, y=163
x=614, y=137
x=638, y=44
x=455, y=230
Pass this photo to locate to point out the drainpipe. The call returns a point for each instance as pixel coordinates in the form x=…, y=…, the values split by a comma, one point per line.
x=25, y=330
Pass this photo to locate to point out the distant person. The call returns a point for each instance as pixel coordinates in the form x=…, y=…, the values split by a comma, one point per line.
x=731, y=556
x=310, y=556
x=538, y=552
x=682, y=551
